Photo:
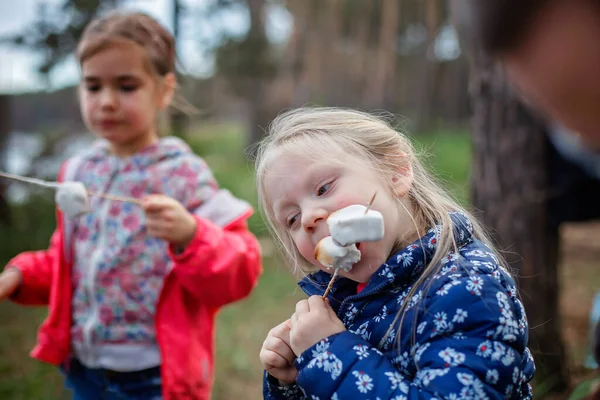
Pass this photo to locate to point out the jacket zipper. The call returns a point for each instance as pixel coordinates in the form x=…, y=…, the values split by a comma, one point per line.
x=89, y=278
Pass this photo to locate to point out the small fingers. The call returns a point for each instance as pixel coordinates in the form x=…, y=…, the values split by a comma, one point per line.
x=302, y=307
x=316, y=303
x=271, y=359
x=280, y=329
x=293, y=321
x=280, y=347
x=156, y=203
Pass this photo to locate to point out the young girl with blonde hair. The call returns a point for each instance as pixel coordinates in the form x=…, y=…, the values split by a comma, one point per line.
x=429, y=311
x=133, y=290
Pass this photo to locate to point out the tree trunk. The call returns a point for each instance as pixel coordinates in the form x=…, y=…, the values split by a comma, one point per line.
x=334, y=72
x=285, y=85
x=258, y=114
x=359, y=33
x=428, y=66
x=312, y=76
x=510, y=184
x=385, y=64
x=5, y=129
x=178, y=118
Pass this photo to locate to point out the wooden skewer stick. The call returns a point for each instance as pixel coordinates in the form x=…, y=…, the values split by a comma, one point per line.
x=337, y=270
x=370, y=202
x=333, y=277
x=116, y=198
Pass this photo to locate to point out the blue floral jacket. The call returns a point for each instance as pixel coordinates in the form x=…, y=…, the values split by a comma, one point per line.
x=464, y=335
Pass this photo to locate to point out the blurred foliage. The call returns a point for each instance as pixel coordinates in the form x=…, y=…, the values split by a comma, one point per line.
x=32, y=225
x=586, y=388
x=57, y=28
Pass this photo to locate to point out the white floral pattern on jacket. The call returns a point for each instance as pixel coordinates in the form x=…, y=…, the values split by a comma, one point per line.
x=464, y=335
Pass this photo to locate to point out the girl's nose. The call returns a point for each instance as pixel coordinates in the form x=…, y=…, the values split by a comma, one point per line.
x=312, y=219
x=108, y=99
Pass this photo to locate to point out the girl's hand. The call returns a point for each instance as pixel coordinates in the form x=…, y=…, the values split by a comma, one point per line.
x=167, y=219
x=10, y=280
x=277, y=356
x=313, y=321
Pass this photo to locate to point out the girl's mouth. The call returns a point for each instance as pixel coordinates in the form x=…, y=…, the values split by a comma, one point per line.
x=108, y=123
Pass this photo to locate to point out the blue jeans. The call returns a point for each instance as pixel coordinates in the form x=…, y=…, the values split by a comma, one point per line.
x=100, y=384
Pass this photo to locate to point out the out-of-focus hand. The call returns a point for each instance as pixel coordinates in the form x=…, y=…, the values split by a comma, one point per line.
x=10, y=280
x=167, y=218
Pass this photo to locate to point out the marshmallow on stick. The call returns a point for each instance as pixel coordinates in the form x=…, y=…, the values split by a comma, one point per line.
x=332, y=255
x=348, y=226
x=355, y=224
x=72, y=199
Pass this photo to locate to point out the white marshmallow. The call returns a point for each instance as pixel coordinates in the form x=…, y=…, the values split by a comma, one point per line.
x=332, y=255
x=72, y=199
x=351, y=225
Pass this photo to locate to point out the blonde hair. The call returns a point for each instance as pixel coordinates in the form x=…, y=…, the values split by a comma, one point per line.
x=313, y=131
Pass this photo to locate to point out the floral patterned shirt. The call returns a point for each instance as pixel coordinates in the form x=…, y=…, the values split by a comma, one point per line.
x=464, y=335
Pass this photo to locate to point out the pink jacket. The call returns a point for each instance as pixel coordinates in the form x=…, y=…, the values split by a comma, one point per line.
x=221, y=265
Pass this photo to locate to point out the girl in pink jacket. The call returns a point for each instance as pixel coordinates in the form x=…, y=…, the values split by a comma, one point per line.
x=133, y=290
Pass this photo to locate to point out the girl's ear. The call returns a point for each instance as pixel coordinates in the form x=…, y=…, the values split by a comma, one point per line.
x=402, y=180
x=169, y=85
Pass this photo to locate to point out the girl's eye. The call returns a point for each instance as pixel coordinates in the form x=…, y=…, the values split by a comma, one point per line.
x=129, y=88
x=93, y=88
x=323, y=189
x=291, y=221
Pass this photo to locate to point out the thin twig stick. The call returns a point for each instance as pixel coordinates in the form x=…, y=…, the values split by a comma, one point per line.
x=335, y=274
x=370, y=202
x=117, y=198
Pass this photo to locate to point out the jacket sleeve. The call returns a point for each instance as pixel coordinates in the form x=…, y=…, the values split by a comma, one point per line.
x=36, y=273
x=272, y=391
x=222, y=263
x=471, y=345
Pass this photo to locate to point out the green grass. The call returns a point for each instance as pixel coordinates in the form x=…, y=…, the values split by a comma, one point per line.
x=242, y=326
x=448, y=156
x=585, y=388
x=22, y=378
